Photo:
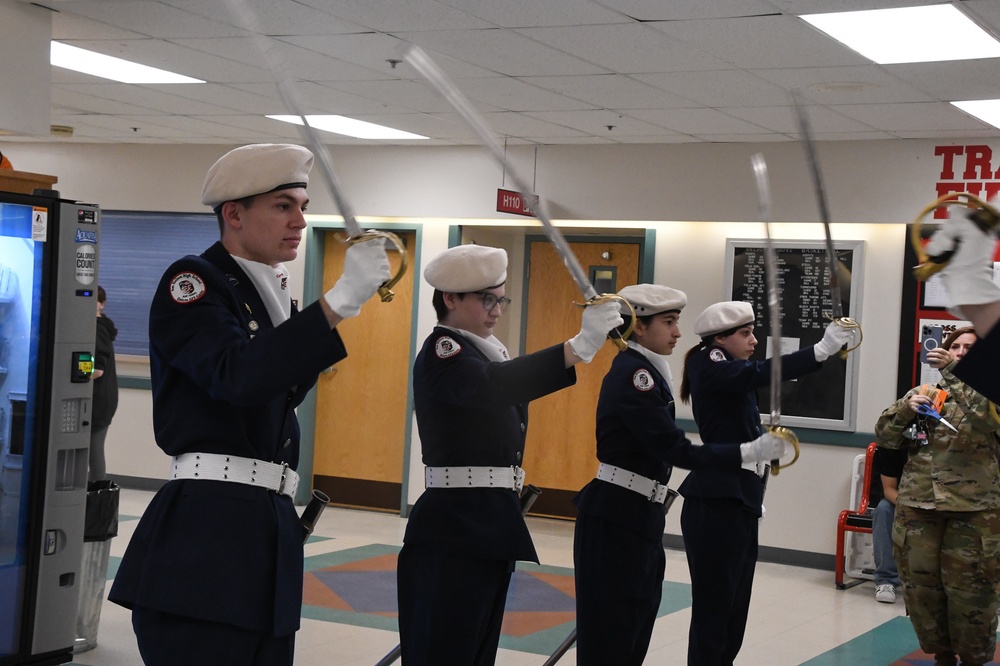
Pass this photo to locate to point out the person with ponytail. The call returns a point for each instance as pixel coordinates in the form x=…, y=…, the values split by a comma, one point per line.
x=723, y=506
x=618, y=547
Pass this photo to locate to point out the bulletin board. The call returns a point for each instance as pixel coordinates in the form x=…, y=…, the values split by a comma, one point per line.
x=924, y=304
x=825, y=399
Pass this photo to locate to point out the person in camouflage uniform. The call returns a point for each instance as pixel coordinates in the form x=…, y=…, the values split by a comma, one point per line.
x=946, y=534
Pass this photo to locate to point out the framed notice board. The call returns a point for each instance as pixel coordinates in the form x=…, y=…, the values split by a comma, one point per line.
x=825, y=399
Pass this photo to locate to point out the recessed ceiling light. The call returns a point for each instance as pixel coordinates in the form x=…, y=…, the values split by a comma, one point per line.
x=108, y=67
x=987, y=110
x=359, y=129
x=908, y=34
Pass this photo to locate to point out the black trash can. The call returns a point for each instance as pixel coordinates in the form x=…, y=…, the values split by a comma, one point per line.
x=100, y=526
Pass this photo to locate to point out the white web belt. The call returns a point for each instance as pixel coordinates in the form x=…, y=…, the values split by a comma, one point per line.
x=651, y=489
x=511, y=478
x=234, y=469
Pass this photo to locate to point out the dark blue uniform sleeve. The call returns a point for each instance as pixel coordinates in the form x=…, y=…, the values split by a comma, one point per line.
x=738, y=376
x=208, y=341
x=465, y=380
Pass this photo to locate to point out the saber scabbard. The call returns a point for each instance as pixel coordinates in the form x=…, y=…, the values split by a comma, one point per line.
x=312, y=512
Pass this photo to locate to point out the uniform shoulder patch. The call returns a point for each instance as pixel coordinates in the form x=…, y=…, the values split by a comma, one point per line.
x=643, y=380
x=446, y=347
x=187, y=287
x=717, y=355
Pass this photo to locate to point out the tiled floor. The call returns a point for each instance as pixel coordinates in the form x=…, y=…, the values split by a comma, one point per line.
x=797, y=616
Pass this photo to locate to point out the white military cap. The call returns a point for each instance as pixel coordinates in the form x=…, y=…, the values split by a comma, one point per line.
x=651, y=299
x=256, y=169
x=723, y=316
x=465, y=268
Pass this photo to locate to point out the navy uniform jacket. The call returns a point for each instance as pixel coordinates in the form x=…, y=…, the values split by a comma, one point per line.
x=724, y=401
x=473, y=412
x=225, y=381
x=636, y=431
x=978, y=368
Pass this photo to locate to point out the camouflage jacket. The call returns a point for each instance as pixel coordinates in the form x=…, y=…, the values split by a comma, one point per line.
x=954, y=471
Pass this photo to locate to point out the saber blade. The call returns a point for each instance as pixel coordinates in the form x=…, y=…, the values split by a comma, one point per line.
x=837, y=306
x=773, y=297
x=429, y=69
x=276, y=66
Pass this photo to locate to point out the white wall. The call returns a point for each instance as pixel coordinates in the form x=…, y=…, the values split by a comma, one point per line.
x=709, y=188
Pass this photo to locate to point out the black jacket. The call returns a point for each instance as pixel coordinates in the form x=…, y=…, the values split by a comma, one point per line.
x=105, y=386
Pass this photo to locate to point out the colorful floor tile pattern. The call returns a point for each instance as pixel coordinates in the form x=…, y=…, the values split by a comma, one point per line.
x=892, y=643
x=358, y=586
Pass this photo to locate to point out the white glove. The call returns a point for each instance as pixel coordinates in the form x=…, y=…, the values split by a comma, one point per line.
x=834, y=337
x=366, y=268
x=598, y=320
x=763, y=514
x=764, y=448
x=968, y=275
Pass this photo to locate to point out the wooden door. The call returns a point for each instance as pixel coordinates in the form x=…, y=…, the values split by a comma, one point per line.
x=560, y=455
x=361, y=403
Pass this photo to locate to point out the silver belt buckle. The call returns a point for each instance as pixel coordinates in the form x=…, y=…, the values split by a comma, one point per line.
x=281, y=483
x=514, y=469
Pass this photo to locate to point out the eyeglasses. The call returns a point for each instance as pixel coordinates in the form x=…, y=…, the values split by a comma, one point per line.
x=490, y=301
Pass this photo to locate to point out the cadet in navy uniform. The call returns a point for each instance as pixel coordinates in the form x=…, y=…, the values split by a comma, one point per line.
x=618, y=551
x=213, y=573
x=968, y=245
x=722, y=507
x=466, y=530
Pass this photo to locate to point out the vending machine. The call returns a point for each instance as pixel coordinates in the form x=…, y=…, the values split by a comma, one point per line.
x=48, y=298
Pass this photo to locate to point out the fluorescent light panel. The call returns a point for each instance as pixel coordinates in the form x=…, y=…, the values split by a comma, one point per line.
x=987, y=110
x=908, y=34
x=359, y=129
x=108, y=67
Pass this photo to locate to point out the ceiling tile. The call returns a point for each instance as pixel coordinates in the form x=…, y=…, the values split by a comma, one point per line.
x=609, y=91
x=501, y=51
x=782, y=119
x=602, y=122
x=902, y=117
x=151, y=19
x=762, y=42
x=865, y=84
x=648, y=50
x=697, y=121
x=732, y=87
x=531, y=13
x=271, y=17
x=685, y=10
x=394, y=16
x=953, y=81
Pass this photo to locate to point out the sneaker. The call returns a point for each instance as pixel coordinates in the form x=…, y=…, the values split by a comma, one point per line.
x=885, y=593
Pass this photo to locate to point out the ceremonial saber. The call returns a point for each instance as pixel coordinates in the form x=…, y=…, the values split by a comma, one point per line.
x=279, y=73
x=836, y=305
x=423, y=63
x=773, y=310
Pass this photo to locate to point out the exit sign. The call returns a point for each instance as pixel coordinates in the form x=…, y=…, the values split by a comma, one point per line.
x=509, y=201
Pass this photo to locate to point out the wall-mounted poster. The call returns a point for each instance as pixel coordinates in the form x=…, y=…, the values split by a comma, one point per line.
x=824, y=399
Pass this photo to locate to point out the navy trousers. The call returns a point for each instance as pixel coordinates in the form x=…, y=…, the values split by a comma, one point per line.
x=170, y=640
x=450, y=607
x=720, y=537
x=619, y=582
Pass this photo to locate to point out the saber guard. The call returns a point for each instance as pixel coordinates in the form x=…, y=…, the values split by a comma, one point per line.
x=620, y=338
x=385, y=291
x=982, y=214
